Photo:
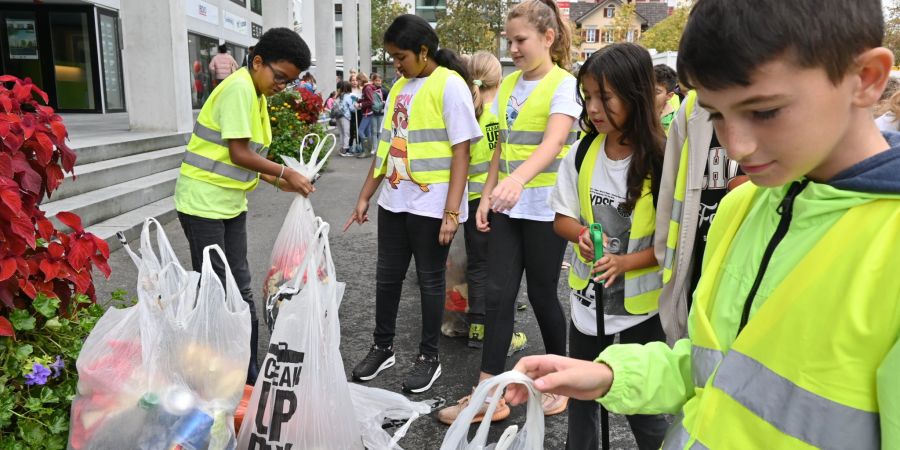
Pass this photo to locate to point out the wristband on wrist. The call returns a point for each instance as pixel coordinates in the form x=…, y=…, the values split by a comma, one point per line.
x=583, y=229
x=517, y=180
x=454, y=215
x=278, y=178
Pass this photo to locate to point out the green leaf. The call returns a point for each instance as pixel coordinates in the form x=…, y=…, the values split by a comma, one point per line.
x=32, y=433
x=59, y=424
x=24, y=351
x=45, y=305
x=34, y=404
x=22, y=320
x=53, y=324
x=47, y=396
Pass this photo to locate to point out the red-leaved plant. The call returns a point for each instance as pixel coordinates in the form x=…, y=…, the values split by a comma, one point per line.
x=35, y=257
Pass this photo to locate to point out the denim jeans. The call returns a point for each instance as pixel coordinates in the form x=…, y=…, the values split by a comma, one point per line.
x=231, y=236
x=402, y=236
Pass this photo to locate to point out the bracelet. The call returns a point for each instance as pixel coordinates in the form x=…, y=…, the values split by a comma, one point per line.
x=282, y=171
x=453, y=215
x=517, y=180
x=583, y=229
x=278, y=178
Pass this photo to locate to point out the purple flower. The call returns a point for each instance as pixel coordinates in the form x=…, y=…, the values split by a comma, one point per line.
x=58, y=366
x=38, y=375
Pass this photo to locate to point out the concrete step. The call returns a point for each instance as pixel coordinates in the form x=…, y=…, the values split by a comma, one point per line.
x=101, y=174
x=122, y=144
x=103, y=204
x=132, y=222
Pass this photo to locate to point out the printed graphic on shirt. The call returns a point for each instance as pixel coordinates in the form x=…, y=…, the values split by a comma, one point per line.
x=492, y=134
x=617, y=227
x=512, y=110
x=398, y=169
x=719, y=172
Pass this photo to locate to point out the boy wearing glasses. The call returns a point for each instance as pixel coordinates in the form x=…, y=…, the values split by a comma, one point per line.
x=226, y=157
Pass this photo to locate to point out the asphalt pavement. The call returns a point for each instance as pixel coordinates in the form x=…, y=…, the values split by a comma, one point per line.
x=354, y=254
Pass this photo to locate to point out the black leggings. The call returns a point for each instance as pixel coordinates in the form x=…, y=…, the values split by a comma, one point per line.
x=584, y=419
x=517, y=246
x=400, y=237
x=476, y=265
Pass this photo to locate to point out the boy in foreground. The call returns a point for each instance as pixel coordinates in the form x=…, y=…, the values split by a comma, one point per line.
x=793, y=334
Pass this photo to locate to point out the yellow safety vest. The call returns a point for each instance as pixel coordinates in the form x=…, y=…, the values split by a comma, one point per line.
x=802, y=373
x=206, y=157
x=642, y=286
x=680, y=191
x=527, y=131
x=481, y=153
x=426, y=148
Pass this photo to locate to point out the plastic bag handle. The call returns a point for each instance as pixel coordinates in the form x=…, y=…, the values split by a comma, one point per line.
x=303, y=146
x=534, y=422
x=230, y=287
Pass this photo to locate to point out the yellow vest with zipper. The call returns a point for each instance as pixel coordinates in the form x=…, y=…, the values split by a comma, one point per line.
x=788, y=382
x=642, y=286
x=428, y=150
x=482, y=152
x=527, y=132
x=206, y=157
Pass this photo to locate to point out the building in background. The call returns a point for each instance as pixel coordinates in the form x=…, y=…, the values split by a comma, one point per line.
x=74, y=49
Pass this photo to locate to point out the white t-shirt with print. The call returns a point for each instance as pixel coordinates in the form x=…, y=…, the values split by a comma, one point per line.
x=532, y=204
x=608, y=191
x=459, y=117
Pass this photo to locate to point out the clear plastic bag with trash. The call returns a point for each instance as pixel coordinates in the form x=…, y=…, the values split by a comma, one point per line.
x=168, y=371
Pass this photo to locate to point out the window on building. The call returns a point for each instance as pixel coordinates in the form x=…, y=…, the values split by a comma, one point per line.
x=590, y=35
x=338, y=12
x=608, y=37
x=609, y=11
x=630, y=36
x=339, y=41
x=240, y=2
x=256, y=6
x=429, y=9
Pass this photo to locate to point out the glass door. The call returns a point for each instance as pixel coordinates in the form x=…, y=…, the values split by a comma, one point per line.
x=72, y=60
x=110, y=53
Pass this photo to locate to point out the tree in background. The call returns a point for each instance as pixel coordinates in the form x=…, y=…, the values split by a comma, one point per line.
x=625, y=15
x=892, y=31
x=666, y=35
x=465, y=26
x=383, y=13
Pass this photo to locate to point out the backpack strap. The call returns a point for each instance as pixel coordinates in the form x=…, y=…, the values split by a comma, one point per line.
x=582, y=149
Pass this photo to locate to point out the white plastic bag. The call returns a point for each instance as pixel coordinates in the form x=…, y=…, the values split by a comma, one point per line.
x=169, y=370
x=301, y=399
x=530, y=437
x=374, y=407
x=296, y=234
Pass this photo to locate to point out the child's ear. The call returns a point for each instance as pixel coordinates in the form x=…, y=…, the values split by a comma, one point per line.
x=669, y=95
x=873, y=69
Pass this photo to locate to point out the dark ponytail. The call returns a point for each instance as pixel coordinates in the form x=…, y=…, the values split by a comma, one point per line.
x=449, y=59
x=411, y=32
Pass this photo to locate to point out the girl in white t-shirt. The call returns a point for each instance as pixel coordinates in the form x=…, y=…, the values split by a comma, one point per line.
x=513, y=207
x=423, y=198
x=618, y=90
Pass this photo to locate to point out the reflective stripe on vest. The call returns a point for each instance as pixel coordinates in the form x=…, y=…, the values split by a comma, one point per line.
x=795, y=411
x=642, y=286
x=677, y=437
x=224, y=169
x=531, y=137
x=680, y=192
x=527, y=131
x=703, y=363
x=427, y=153
x=783, y=382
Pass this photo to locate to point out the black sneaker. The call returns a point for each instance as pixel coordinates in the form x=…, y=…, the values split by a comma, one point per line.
x=377, y=360
x=425, y=371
